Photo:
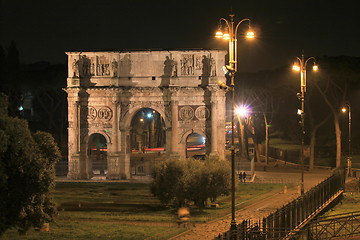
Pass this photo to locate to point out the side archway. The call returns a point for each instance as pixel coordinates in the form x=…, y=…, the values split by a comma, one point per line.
x=195, y=145
x=97, y=153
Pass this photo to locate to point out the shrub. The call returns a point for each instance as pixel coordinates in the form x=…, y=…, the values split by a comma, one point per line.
x=176, y=182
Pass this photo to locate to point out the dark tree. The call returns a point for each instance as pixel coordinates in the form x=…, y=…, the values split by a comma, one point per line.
x=177, y=182
x=13, y=57
x=26, y=173
x=2, y=62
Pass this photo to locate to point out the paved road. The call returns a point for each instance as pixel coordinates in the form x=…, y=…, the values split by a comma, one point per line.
x=260, y=209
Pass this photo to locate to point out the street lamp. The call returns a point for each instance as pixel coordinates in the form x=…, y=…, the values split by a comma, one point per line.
x=345, y=109
x=302, y=69
x=231, y=36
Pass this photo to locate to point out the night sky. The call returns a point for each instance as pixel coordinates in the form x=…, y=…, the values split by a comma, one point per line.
x=44, y=30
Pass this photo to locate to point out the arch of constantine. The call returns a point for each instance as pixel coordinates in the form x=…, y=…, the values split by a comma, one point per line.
x=106, y=89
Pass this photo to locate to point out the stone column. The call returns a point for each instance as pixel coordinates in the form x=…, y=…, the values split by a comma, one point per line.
x=121, y=164
x=115, y=156
x=73, y=135
x=174, y=128
x=214, y=128
x=115, y=129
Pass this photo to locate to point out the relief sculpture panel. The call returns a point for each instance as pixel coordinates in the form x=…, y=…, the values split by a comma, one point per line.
x=187, y=64
x=91, y=113
x=188, y=113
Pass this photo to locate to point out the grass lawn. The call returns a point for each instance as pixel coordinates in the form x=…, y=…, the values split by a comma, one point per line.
x=127, y=211
x=350, y=203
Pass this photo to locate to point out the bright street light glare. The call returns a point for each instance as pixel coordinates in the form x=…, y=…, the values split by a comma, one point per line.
x=219, y=34
x=250, y=35
x=243, y=111
x=343, y=110
x=296, y=68
x=315, y=68
x=149, y=115
x=226, y=36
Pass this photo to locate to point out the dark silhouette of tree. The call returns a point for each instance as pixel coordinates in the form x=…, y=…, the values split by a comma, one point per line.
x=339, y=76
x=13, y=60
x=26, y=173
x=267, y=105
x=2, y=62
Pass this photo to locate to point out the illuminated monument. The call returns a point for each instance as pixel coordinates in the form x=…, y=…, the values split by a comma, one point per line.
x=106, y=89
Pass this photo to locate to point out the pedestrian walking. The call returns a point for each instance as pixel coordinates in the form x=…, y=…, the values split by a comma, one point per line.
x=244, y=177
x=240, y=177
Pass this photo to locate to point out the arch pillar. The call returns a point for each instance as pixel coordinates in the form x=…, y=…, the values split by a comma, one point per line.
x=120, y=162
x=174, y=150
x=214, y=129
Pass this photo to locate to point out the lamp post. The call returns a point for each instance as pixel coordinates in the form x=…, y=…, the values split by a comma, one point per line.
x=344, y=109
x=231, y=69
x=302, y=69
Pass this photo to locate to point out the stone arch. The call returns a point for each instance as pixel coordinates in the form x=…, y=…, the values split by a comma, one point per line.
x=199, y=150
x=125, y=123
x=103, y=133
x=150, y=85
x=190, y=131
x=184, y=137
x=100, y=168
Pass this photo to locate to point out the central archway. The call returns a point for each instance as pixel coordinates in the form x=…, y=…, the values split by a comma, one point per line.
x=147, y=140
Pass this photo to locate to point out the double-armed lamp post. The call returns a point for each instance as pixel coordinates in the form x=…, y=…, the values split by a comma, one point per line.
x=345, y=109
x=300, y=66
x=230, y=34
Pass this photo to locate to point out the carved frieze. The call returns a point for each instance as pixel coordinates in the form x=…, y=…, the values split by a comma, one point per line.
x=88, y=113
x=102, y=66
x=187, y=64
x=91, y=113
x=186, y=113
x=105, y=113
x=190, y=113
x=202, y=113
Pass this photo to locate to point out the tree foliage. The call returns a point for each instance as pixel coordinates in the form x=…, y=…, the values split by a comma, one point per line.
x=178, y=182
x=26, y=174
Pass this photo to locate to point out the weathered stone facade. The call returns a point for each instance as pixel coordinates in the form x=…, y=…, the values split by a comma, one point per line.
x=106, y=89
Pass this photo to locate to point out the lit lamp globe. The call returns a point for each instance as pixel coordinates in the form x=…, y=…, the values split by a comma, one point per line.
x=250, y=35
x=296, y=67
x=219, y=34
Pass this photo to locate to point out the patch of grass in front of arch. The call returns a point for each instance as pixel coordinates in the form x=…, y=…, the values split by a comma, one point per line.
x=63, y=230
x=134, y=202
x=128, y=211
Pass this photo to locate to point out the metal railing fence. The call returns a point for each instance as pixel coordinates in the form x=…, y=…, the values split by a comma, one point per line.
x=291, y=217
